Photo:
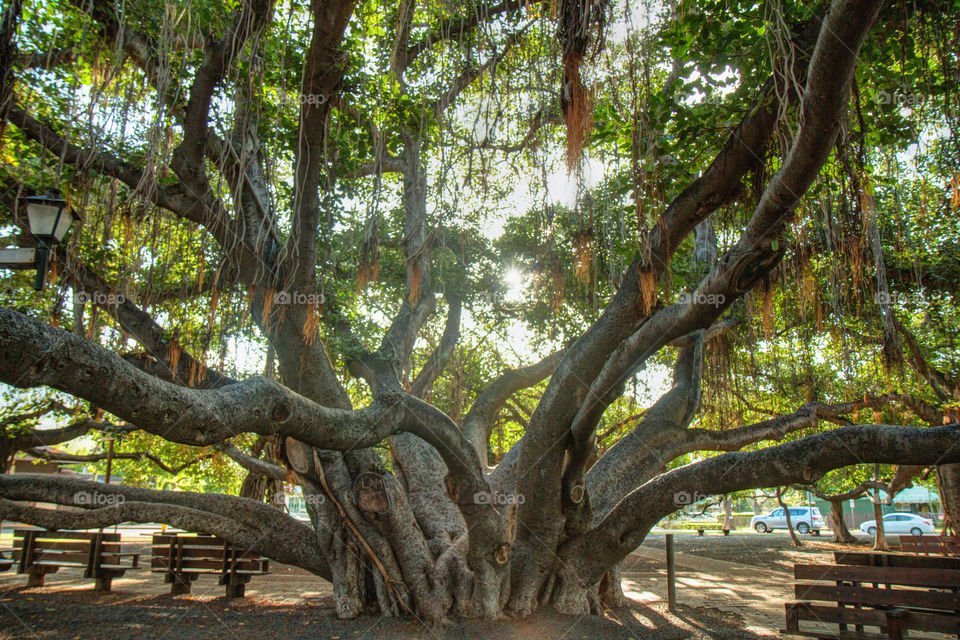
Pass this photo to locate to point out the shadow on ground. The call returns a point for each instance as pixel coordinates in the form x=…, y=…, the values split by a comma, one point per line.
x=30, y=613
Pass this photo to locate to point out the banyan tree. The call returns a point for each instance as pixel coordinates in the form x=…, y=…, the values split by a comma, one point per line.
x=499, y=285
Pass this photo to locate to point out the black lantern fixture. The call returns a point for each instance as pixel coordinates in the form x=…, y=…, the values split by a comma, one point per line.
x=50, y=218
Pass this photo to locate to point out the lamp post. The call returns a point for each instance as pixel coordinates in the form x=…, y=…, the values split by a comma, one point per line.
x=50, y=217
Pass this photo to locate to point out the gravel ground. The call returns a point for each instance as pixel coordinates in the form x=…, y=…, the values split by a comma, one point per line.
x=84, y=614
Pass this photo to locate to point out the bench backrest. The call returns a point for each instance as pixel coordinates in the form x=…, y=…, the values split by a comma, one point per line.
x=898, y=576
x=202, y=552
x=896, y=560
x=902, y=583
x=944, y=545
x=63, y=546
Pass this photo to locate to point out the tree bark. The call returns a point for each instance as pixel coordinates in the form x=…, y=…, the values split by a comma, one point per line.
x=880, y=539
x=948, y=481
x=840, y=531
x=786, y=513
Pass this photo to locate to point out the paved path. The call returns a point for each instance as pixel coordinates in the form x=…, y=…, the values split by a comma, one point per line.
x=754, y=593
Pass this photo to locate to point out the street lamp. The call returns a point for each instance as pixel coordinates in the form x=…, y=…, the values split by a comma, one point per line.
x=50, y=218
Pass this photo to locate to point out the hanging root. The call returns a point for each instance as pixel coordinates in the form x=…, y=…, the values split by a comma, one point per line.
x=577, y=108
x=580, y=20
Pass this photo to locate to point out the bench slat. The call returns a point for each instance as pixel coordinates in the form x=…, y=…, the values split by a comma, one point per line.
x=218, y=565
x=157, y=569
x=253, y=572
x=59, y=556
x=70, y=535
x=820, y=613
x=935, y=578
x=836, y=635
x=879, y=597
x=913, y=620
x=58, y=563
x=63, y=545
x=895, y=560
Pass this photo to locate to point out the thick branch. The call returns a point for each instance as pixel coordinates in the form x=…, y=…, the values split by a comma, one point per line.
x=477, y=425
x=51, y=437
x=170, y=198
x=643, y=453
x=438, y=359
x=589, y=556
x=57, y=456
x=255, y=465
x=36, y=354
x=132, y=319
x=541, y=458
x=249, y=523
x=324, y=67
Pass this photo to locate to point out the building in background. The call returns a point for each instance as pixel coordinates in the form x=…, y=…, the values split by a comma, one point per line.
x=917, y=499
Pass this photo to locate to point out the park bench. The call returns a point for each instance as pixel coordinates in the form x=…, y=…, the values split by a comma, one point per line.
x=6, y=559
x=893, y=592
x=182, y=558
x=701, y=531
x=702, y=527
x=936, y=545
x=39, y=552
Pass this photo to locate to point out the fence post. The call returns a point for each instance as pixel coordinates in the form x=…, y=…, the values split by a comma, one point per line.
x=671, y=576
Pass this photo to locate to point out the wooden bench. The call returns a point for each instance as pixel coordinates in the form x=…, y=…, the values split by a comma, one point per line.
x=892, y=592
x=39, y=552
x=702, y=527
x=935, y=545
x=701, y=532
x=6, y=559
x=182, y=558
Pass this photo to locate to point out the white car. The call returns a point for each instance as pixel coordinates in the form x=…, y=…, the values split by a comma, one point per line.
x=803, y=519
x=900, y=523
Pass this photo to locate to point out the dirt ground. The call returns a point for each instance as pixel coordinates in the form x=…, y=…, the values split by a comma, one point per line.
x=728, y=587
x=84, y=615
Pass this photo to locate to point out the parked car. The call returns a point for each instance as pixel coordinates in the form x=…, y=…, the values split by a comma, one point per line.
x=803, y=519
x=900, y=523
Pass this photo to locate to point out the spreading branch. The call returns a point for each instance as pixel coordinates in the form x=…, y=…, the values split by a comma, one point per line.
x=802, y=461
x=249, y=523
